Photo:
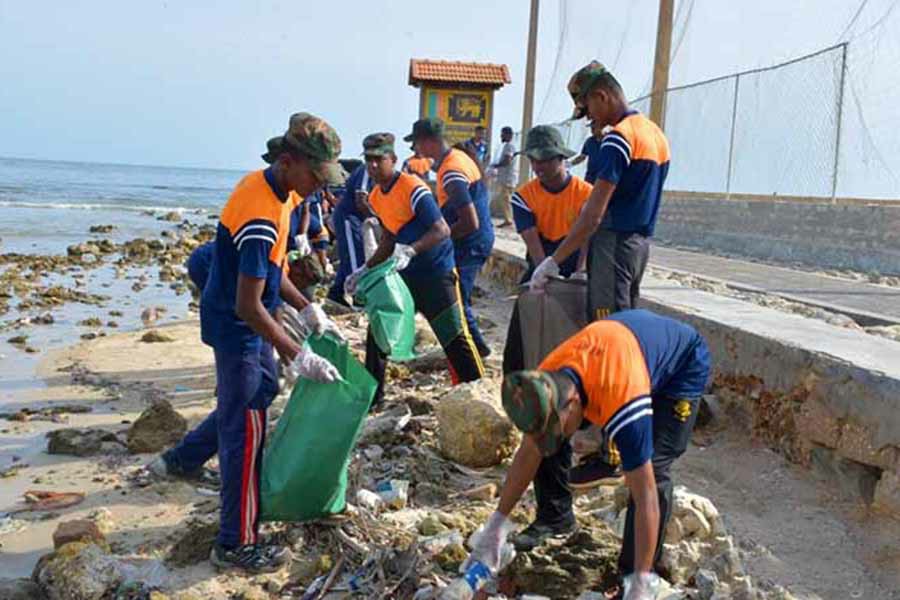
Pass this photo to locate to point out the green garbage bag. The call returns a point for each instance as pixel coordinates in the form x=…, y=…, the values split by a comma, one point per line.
x=304, y=474
x=391, y=310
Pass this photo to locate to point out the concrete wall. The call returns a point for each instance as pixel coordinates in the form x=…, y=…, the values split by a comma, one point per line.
x=851, y=234
x=809, y=386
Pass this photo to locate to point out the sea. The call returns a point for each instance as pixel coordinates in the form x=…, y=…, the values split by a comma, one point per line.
x=46, y=206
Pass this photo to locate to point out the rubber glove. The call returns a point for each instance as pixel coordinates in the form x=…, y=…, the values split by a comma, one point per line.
x=310, y=365
x=579, y=276
x=301, y=243
x=352, y=280
x=314, y=320
x=402, y=255
x=641, y=586
x=544, y=271
x=489, y=545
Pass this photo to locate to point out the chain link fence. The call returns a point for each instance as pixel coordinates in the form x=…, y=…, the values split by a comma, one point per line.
x=769, y=131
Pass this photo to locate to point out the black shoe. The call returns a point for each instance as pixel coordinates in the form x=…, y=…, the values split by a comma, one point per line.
x=250, y=558
x=537, y=533
x=591, y=472
x=483, y=349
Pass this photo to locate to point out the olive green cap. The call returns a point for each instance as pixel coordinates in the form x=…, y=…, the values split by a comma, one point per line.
x=530, y=399
x=544, y=142
x=273, y=148
x=378, y=144
x=316, y=140
x=430, y=127
x=583, y=81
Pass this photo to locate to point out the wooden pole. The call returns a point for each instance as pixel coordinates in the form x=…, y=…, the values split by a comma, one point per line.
x=528, y=104
x=661, y=63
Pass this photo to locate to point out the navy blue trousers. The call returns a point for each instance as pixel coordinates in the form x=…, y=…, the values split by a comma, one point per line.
x=247, y=382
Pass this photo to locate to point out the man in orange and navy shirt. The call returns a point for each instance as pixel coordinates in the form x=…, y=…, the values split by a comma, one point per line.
x=418, y=238
x=246, y=277
x=620, y=216
x=544, y=210
x=463, y=199
x=638, y=375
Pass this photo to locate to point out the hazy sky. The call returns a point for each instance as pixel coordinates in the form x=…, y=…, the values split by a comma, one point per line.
x=203, y=83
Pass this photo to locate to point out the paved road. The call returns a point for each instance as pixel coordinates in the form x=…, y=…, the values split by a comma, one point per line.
x=843, y=295
x=867, y=303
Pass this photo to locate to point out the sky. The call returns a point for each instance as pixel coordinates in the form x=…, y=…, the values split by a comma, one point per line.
x=203, y=83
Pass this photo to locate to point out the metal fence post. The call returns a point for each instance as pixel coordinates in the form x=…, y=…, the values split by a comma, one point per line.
x=737, y=81
x=840, y=115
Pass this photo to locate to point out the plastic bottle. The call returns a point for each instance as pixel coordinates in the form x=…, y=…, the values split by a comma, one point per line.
x=464, y=588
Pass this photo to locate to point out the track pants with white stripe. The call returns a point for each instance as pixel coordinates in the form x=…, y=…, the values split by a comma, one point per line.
x=247, y=382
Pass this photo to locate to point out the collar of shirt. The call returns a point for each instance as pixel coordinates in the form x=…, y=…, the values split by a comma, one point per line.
x=269, y=174
x=628, y=113
x=437, y=163
x=564, y=185
x=571, y=374
x=390, y=186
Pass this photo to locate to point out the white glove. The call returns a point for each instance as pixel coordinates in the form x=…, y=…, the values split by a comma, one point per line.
x=352, y=280
x=579, y=276
x=544, y=271
x=402, y=255
x=641, y=586
x=314, y=320
x=490, y=547
x=301, y=242
x=310, y=365
x=329, y=270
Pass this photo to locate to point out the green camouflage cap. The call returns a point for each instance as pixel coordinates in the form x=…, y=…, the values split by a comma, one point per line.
x=583, y=81
x=319, y=142
x=273, y=148
x=544, y=142
x=430, y=127
x=378, y=144
x=530, y=400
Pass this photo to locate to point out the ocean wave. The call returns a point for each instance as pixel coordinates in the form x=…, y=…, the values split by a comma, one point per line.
x=101, y=206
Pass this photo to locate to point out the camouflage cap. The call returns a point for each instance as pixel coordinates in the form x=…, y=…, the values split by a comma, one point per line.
x=428, y=127
x=274, y=148
x=378, y=144
x=530, y=400
x=544, y=142
x=583, y=81
x=318, y=141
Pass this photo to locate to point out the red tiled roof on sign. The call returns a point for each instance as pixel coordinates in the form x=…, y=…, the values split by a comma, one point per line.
x=448, y=71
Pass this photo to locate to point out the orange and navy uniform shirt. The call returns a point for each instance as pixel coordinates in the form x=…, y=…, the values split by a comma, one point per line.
x=251, y=240
x=635, y=157
x=418, y=165
x=620, y=364
x=407, y=209
x=459, y=183
x=551, y=213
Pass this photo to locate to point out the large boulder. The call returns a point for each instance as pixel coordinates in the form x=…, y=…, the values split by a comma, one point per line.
x=472, y=428
x=83, y=442
x=158, y=427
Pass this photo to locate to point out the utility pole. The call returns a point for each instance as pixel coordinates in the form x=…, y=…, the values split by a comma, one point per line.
x=661, y=64
x=528, y=104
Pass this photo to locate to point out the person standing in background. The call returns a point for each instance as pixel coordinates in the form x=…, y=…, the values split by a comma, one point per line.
x=348, y=217
x=505, y=169
x=479, y=146
x=590, y=152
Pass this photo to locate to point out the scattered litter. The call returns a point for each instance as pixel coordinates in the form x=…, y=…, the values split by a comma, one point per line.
x=394, y=493
x=40, y=501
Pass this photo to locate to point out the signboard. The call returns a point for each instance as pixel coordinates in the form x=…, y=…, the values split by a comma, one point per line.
x=461, y=110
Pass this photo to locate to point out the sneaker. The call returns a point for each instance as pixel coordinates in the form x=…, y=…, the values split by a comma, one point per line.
x=250, y=558
x=591, y=472
x=537, y=533
x=483, y=349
